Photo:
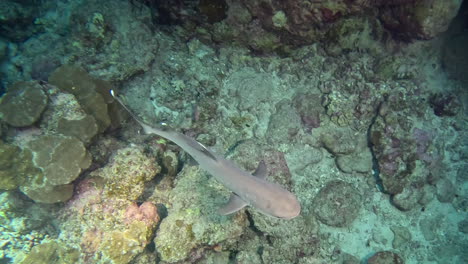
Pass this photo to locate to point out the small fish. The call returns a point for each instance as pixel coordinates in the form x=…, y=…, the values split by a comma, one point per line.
x=247, y=189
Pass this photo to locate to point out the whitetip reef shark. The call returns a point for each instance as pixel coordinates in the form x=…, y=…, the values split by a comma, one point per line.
x=247, y=189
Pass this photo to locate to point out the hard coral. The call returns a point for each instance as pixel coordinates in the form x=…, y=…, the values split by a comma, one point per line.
x=61, y=160
x=15, y=166
x=93, y=95
x=127, y=173
x=23, y=104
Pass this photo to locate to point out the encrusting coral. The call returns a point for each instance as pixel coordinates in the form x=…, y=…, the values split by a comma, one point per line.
x=23, y=104
x=61, y=159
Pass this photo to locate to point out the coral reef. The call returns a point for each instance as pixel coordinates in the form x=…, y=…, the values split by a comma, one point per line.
x=193, y=221
x=127, y=173
x=45, y=157
x=356, y=107
x=337, y=204
x=103, y=217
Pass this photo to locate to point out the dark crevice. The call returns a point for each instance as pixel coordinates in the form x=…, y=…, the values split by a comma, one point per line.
x=370, y=145
x=257, y=232
x=252, y=224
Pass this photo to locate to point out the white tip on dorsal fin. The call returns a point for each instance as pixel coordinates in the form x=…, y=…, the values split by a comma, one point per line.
x=261, y=171
x=235, y=204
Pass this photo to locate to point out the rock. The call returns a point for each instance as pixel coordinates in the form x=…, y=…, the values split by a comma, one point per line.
x=445, y=191
x=128, y=161
x=339, y=141
x=408, y=199
x=17, y=20
x=302, y=156
x=23, y=104
x=360, y=161
x=401, y=236
x=337, y=204
x=309, y=108
x=216, y=258
x=193, y=219
x=252, y=87
x=428, y=194
x=284, y=125
x=249, y=257
x=423, y=20
x=385, y=257
x=121, y=246
x=429, y=228
x=463, y=226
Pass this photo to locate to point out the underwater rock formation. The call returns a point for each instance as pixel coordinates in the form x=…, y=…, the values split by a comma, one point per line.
x=102, y=215
x=193, y=220
x=346, y=102
x=337, y=204
x=125, y=162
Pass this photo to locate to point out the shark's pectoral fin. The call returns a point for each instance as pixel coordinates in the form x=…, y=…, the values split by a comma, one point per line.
x=261, y=171
x=235, y=204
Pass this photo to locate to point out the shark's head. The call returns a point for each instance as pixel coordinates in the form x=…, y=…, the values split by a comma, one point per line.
x=287, y=207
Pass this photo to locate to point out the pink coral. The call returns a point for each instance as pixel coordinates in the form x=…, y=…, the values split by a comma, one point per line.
x=146, y=212
x=86, y=195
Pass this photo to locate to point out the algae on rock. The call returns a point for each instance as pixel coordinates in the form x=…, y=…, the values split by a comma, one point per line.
x=51, y=253
x=127, y=173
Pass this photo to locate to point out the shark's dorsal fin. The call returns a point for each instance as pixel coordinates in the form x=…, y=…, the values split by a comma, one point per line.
x=234, y=204
x=261, y=171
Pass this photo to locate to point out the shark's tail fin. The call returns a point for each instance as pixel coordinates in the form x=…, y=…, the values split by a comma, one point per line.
x=162, y=126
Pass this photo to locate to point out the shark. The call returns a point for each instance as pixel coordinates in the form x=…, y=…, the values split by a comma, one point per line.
x=248, y=189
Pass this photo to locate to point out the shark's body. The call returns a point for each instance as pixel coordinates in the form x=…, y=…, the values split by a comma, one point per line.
x=254, y=190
